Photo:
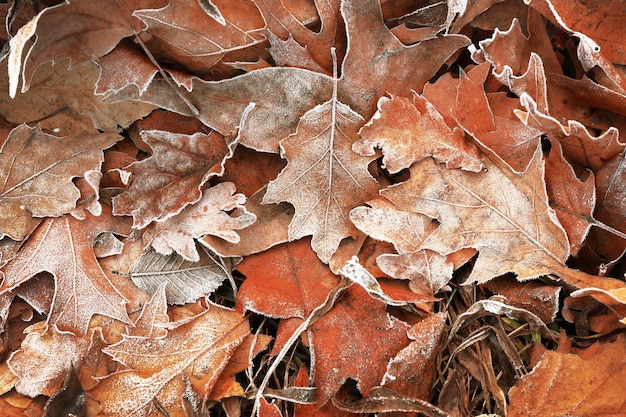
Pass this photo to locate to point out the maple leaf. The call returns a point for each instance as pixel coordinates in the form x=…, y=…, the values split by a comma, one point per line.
x=571, y=384
x=192, y=356
x=163, y=184
x=36, y=172
x=64, y=247
x=319, y=152
x=337, y=341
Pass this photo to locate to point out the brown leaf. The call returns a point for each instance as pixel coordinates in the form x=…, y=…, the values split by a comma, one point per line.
x=45, y=359
x=497, y=212
x=320, y=153
x=573, y=200
x=412, y=372
x=356, y=323
x=63, y=101
x=64, y=247
x=211, y=215
x=289, y=33
x=191, y=357
x=585, y=384
x=428, y=271
x=169, y=180
x=78, y=30
x=36, y=170
x=408, y=131
x=186, y=34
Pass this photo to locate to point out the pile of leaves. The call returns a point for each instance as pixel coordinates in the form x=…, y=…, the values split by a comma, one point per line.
x=312, y=208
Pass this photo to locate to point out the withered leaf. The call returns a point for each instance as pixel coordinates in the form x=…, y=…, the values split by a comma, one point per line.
x=64, y=247
x=186, y=280
x=78, y=30
x=169, y=180
x=584, y=384
x=36, y=172
x=324, y=179
x=191, y=357
x=337, y=340
x=410, y=130
x=502, y=214
x=219, y=212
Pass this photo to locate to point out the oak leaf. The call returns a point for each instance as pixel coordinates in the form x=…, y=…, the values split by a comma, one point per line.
x=191, y=357
x=211, y=215
x=320, y=153
x=428, y=271
x=62, y=101
x=64, y=247
x=80, y=32
x=408, y=131
x=170, y=179
x=36, y=170
x=185, y=33
x=502, y=214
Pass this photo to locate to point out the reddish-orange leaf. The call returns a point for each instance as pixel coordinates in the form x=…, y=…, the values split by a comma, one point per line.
x=586, y=384
x=356, y=339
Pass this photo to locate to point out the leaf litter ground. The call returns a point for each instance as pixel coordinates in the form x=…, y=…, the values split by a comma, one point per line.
x=298, y=208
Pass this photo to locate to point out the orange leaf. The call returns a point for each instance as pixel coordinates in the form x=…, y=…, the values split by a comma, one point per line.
x=586, y=384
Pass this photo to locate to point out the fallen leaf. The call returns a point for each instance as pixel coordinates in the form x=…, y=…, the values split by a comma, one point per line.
x=37, y=171
x=183, y=31
x=408, y=131
x=320, y=153
x=44, y=360
x=78, y=31
x=64, y=247
x=337, y=340
x=219, y=212
x=192, y=356
x=63, y=101
x=496, y=212
x=186, y=280
x=570, y=383
x=170, y=179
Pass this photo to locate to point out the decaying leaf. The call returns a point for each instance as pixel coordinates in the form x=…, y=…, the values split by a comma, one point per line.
x=320, y=152
x=583, y=384
x=36, y=171
x=186, y=280
x=191, y=357
x=169, y=180
x=64, y=247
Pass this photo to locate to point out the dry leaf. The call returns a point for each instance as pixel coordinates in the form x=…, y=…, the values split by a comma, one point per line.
x=37, y=171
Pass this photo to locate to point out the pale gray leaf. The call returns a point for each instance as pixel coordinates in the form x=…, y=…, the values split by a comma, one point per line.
x=186, y=281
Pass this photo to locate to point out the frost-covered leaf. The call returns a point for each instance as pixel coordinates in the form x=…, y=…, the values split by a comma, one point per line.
x=36, y=172
x=186, y=280
x=219, y=212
